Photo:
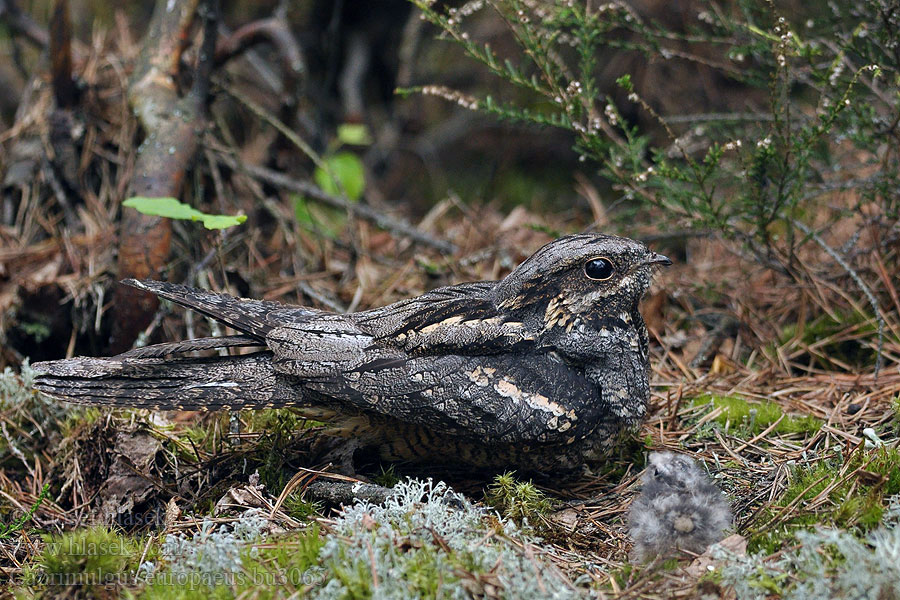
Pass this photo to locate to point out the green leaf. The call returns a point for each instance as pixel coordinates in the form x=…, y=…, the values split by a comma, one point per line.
x=173, y=209
x=625, y=82
x=321, y=219
x=763, y=34
x=343, y=167
x=301, y=212
x=221, y=221
x=354, y=134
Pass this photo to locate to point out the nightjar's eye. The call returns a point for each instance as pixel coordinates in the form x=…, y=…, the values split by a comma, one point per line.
x=599, y=269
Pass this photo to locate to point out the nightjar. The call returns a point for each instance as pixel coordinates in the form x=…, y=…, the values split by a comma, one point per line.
x=679, y=508
x=539, y=371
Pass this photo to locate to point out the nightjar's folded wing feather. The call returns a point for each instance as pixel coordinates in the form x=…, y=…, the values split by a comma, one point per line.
x=457, y=319
x=385, y=320
x=306, y=343
x=326, y=346
x=206, y=343
x=252, y=317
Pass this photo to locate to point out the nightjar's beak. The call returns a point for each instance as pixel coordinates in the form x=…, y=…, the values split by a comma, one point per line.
x=658, y=259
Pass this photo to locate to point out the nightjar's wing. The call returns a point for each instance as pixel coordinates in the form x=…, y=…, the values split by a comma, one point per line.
x=326, y=346
x=443, y=361
x=254, y=318
x=308, y=342
x=456, y=319
x=499, y=398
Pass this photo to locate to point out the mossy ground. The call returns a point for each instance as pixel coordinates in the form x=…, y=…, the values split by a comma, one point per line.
x=93, y=562
x=850, y=496
x=272, y=569
x=520, y=501
x=750, y=418
x=834, y=339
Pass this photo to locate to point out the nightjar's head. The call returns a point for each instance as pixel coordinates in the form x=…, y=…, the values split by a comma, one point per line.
x=581, y=275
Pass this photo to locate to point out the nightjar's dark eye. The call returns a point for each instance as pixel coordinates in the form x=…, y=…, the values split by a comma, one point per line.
x=599, y=269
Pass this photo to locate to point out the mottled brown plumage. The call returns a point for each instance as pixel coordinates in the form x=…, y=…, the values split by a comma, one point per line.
x=539, y=370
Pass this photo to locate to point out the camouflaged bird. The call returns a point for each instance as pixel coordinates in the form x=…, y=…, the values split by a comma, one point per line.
x=679, y=508
x=538, y=371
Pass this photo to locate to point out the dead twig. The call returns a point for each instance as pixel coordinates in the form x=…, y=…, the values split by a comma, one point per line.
x=879, y=317
x=362, y=211
x=61, y=55
x=22, y=24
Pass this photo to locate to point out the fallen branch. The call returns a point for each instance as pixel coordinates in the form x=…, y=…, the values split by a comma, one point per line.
x=172, y=124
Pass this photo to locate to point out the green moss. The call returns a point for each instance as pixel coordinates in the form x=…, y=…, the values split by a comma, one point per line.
x=298, y=508
x=388, y=477
x=772, y=584
x=426, y=571
x=269, y=570
x=751, y=418
x=277, y=420
x=895, y=405
x=89, y=562
x=863, y=511
x=714, y=577
x=623, y=576
x=279, y=429
x=856, y=503
x=670, y=564
x=38, y=330
x=81, y=418
x=187, y=589
x=299, y=550
x=886, y=463
x=353, y=575
x=197, y=438
x=289, y=562
x=517, y=500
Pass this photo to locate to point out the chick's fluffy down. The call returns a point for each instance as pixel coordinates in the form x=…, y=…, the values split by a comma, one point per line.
x=679, y=508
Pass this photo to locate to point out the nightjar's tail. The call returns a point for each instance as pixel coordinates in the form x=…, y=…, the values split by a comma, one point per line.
x=246, y=381
x=150, y=377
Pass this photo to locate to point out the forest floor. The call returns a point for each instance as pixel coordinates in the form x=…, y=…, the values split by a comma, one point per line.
x=795, y=444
